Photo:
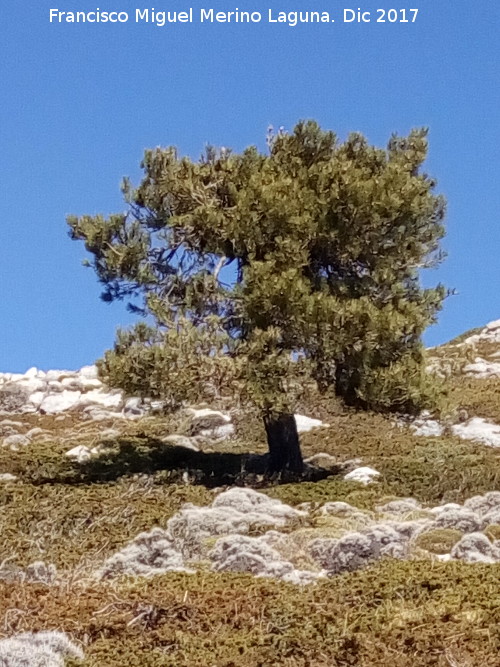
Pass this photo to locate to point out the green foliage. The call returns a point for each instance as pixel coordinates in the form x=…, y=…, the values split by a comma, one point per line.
x=324, y=241
x=404, y=386
x=332, y=489
x=182, y=364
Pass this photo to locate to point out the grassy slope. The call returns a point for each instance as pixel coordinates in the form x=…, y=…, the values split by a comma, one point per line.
x=478, y=397
x=398, y=613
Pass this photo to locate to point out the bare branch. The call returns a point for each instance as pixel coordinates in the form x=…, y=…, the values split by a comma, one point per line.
x=219, y=266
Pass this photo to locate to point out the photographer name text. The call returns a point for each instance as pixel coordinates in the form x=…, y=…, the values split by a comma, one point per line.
x=235, y=16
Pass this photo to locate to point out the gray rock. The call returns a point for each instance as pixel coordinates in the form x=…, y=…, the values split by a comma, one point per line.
x=32, y=433
x=403, y=506
x=55, y=387
x=134, y=406
x=462, y=519
x=363, y=475
x=148, y=554
x=54, y=403
x=39, y=649
x=11, y=423
x=210, y=423
x=80, y=453
x=484, y=504
x=476, y=548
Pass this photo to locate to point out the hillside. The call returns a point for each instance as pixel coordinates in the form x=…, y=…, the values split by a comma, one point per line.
x=131, y=532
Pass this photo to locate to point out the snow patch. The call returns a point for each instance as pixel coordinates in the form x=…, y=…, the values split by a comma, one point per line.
x=364, y=475
x=7, y=477
x=482, y=369
x=480, y=430
x=306, y=424
x=80, y=453
x=427, y=427
x=490, y=334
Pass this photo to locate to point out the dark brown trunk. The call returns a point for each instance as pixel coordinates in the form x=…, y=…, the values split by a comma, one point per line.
x=283, y=441
x=346, y=383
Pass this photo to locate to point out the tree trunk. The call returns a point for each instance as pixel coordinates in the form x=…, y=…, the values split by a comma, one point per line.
x=283, y=441
x=346, y=383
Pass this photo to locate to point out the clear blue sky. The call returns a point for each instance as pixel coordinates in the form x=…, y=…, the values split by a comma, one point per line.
x=81, y=102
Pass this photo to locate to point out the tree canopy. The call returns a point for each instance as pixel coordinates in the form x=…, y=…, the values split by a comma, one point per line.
x=271, y=268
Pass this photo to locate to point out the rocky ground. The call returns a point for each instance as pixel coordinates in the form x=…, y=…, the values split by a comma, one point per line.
x=126, y=535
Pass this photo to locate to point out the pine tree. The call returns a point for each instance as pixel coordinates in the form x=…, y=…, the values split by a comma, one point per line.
x=302, y=262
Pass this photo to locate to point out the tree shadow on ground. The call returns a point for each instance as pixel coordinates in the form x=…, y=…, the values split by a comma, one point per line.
x=132, y=456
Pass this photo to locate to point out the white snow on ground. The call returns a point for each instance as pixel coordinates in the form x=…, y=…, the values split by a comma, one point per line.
x=80, y=453
x=484, y=368
x=7, y=477
x=305, y=424
x=56, y=391
x=365, y=475
x=206, y=413
x=490, y=334
x=479, y=429
x=481, y=368
x=427, y=427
